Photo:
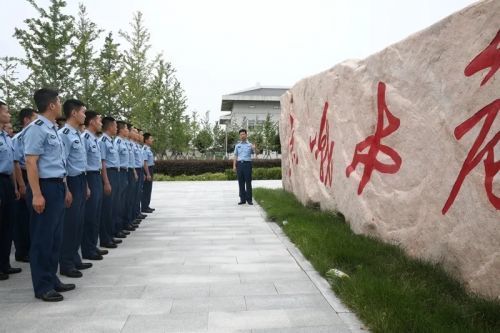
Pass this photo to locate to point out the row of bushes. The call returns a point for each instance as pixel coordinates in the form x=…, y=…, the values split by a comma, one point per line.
x=199, y=167
x=228, y=174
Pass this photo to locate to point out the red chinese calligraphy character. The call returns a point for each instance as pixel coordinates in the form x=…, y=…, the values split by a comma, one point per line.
x=324, y=147
x=293, y=158
x=475, y=155
x=373, y=142
x=489, y=58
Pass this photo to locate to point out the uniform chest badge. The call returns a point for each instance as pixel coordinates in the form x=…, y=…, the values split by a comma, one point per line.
x=52, y=136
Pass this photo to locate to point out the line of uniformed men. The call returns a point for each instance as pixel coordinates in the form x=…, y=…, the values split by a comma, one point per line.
x=69, y=188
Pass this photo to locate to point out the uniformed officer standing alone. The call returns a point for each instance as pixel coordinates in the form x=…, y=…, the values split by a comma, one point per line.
x=8, y=192
x=46, y=170
x=242, y=164
x=76, y=164
x=149, y=162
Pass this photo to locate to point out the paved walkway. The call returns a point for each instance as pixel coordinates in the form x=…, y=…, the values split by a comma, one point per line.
x=199, y=263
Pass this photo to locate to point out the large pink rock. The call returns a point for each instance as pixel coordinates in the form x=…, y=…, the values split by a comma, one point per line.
x=424, y=116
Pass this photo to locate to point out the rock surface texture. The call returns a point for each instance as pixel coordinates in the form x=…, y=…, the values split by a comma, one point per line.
x=406, y=144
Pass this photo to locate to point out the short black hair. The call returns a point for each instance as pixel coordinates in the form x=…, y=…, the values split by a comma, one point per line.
x=147, y=136
x=89, y=115
x=43, y=97
x=120, y=125
x=129, y=126
x=25, y=113
x=242, y=131
x=71, y=105
x=106, y=123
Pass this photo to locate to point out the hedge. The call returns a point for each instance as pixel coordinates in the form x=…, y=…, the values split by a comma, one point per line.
x=198, y=167
x=229, y=174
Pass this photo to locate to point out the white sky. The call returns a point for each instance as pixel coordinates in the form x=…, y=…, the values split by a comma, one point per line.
x=222, y=46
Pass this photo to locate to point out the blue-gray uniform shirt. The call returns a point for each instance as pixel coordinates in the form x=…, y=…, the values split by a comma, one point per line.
x=148, y=155
x=122, y=147
x=74, y=150
x=6, y=154
x=243, y=151
x=93, y=151
x=138, y=156
x=109, y=152
x=41, y=139
x=131, y=155
x=18, y=143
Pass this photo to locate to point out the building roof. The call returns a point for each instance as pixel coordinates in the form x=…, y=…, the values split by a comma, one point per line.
x=258, y=94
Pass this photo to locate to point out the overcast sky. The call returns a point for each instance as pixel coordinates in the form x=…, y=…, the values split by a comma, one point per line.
x=222, y=46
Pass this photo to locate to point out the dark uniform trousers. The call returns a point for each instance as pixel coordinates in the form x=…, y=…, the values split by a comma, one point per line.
x=119, y=215
x=92, y=216
x=22, y=225
x=138, y=192
x=131, y=189
x=73, y=224
x=106, y=229
x=244, y=173
x=46, y=235
x=146, y=190
x=7, y=199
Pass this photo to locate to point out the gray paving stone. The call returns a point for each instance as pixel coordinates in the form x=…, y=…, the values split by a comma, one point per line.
x=213, y=267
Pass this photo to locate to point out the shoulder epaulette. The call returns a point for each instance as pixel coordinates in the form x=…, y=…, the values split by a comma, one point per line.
x=104, y=139
x=39, y=122
x=118, y=141
x=86, y=135
x=66, y=131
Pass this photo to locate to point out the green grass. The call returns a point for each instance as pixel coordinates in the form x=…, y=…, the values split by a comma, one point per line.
x=389, y=291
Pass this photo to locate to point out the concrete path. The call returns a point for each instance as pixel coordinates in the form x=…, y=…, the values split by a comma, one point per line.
x=200, y=263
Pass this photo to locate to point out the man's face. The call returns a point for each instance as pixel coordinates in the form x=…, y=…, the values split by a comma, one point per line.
x=8, y=128
x=97, y=123
x=150, y=141
x=135, y=134
x=4, y=115
x=124, y=132
x=113, y=128
x=56, y=107
x=79, y=115
x=243, y=136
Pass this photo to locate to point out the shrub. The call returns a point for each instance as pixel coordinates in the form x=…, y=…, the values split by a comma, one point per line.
x=198, y=167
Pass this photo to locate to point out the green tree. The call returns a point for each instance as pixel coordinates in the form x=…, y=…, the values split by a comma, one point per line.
x=83, y=60
x=137, y=69
x=269, y=131
x=46, y=43
x=179, y=124
x=11, y=88
x=110, y=78
x=203, y=140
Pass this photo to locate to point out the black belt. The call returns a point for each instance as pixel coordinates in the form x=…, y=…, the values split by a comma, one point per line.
x=138, y=169
x=53, y=180
x=94, y=172
x=82, y=174
x=244, y=161
x=4, y=175
x=113, y=168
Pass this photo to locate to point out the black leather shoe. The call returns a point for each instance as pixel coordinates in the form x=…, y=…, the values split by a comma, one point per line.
x=23, y=259
x=73, y=274
x=125, y=232
x=117, y=241
x=152, y=209
x=102, y=252
x=147, y=210
x=135, y=225
x=137, y=221
x=241, y=203
x=50, y=296
x=130, y=228
x=109, y=246
x=142, y=216
x=4, y=276
x=83, y=265
x=12, y=270
x=64, y=287
x=250, y=203
x=120, y=235
x=93, y=257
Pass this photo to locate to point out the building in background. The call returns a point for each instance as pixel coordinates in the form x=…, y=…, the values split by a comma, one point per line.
x=250, y=107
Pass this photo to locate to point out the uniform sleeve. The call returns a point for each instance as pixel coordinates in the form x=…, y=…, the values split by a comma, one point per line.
x=18, y=153
x=34, y=140
x=102, y=147
x=66, y=143
x=236, y=150
x=144, y=154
